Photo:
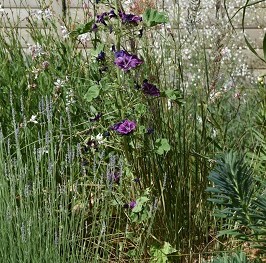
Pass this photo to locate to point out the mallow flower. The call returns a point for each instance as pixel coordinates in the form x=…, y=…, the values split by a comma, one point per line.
x=124, y=127
x=150, y=89
x=129, y=18
x=126, y=61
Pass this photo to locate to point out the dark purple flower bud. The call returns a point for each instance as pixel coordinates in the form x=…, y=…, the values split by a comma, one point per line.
x=137, y=180
x=101, y=56
x=106, y=134
x=132, y=204
x=94, y=28
x=112, y=14
x=114, y=177
x=92, y=144
x=96, y=118
x=129, y=18
x=150, y=89
x=126, y=206
x=103, y=69
x=125, y=127
x=126, y=61
x=137, y=86
x=140, y=33
x=101, y=17
x=150, y=130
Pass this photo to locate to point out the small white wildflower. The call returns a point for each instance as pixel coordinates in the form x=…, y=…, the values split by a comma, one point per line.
x=84, y=38
x=36, y=50
x=38, y=14
x=99, y=138
x=47, y=14
x=33, y=119
x=226, y=53
x=59, y=83
x=70, y=97
x=43, y=14
x=65, y=33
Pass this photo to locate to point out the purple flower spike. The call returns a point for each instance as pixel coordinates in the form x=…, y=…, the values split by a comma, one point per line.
x=125, y=61
x=129, y=18
x=125, y=127
x=132, y=204
x=150, y=89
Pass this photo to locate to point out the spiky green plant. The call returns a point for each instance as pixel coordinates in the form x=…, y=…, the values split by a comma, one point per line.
x=240, y=200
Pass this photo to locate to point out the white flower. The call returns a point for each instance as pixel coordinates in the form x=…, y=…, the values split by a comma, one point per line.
x=36, y=50
x=65, y=32
x=84, y=38
x=226, y=53
x=33, y=119
x=47, y=13
x=43, y=14
x=99, y=138
x=59, y=83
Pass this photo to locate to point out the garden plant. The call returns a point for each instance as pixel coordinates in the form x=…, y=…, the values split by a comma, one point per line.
x=131, y=134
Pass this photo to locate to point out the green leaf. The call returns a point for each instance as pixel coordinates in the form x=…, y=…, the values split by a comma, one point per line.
x=171, y=94
x=82, y=29
x=92, y=93
x=152, y=17
x=168, y=249
x=264, y=46
x=162, y=146
x=139, y=204
x=158, y=256
x=253, y=50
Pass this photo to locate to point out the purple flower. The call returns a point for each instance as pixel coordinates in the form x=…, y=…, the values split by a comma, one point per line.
x=96, y=117
x=150, y=89
x=124, y=127
x=149, y=130
x=101, y=17
x=132, y=204
x=136, y=180
x=125, y=61
x=129, y=18
x=101, y=56
x=112, y=14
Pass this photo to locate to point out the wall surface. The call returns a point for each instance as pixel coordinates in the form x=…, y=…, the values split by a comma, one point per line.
x=14, y=13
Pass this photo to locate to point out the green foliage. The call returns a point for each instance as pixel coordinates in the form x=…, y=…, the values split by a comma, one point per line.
x=152, y=17
x=239, y=257
x=162, y=146
x=241, y=199
x=160, y=254
x=61, y=158
x=82, y=29
x=92, y=93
